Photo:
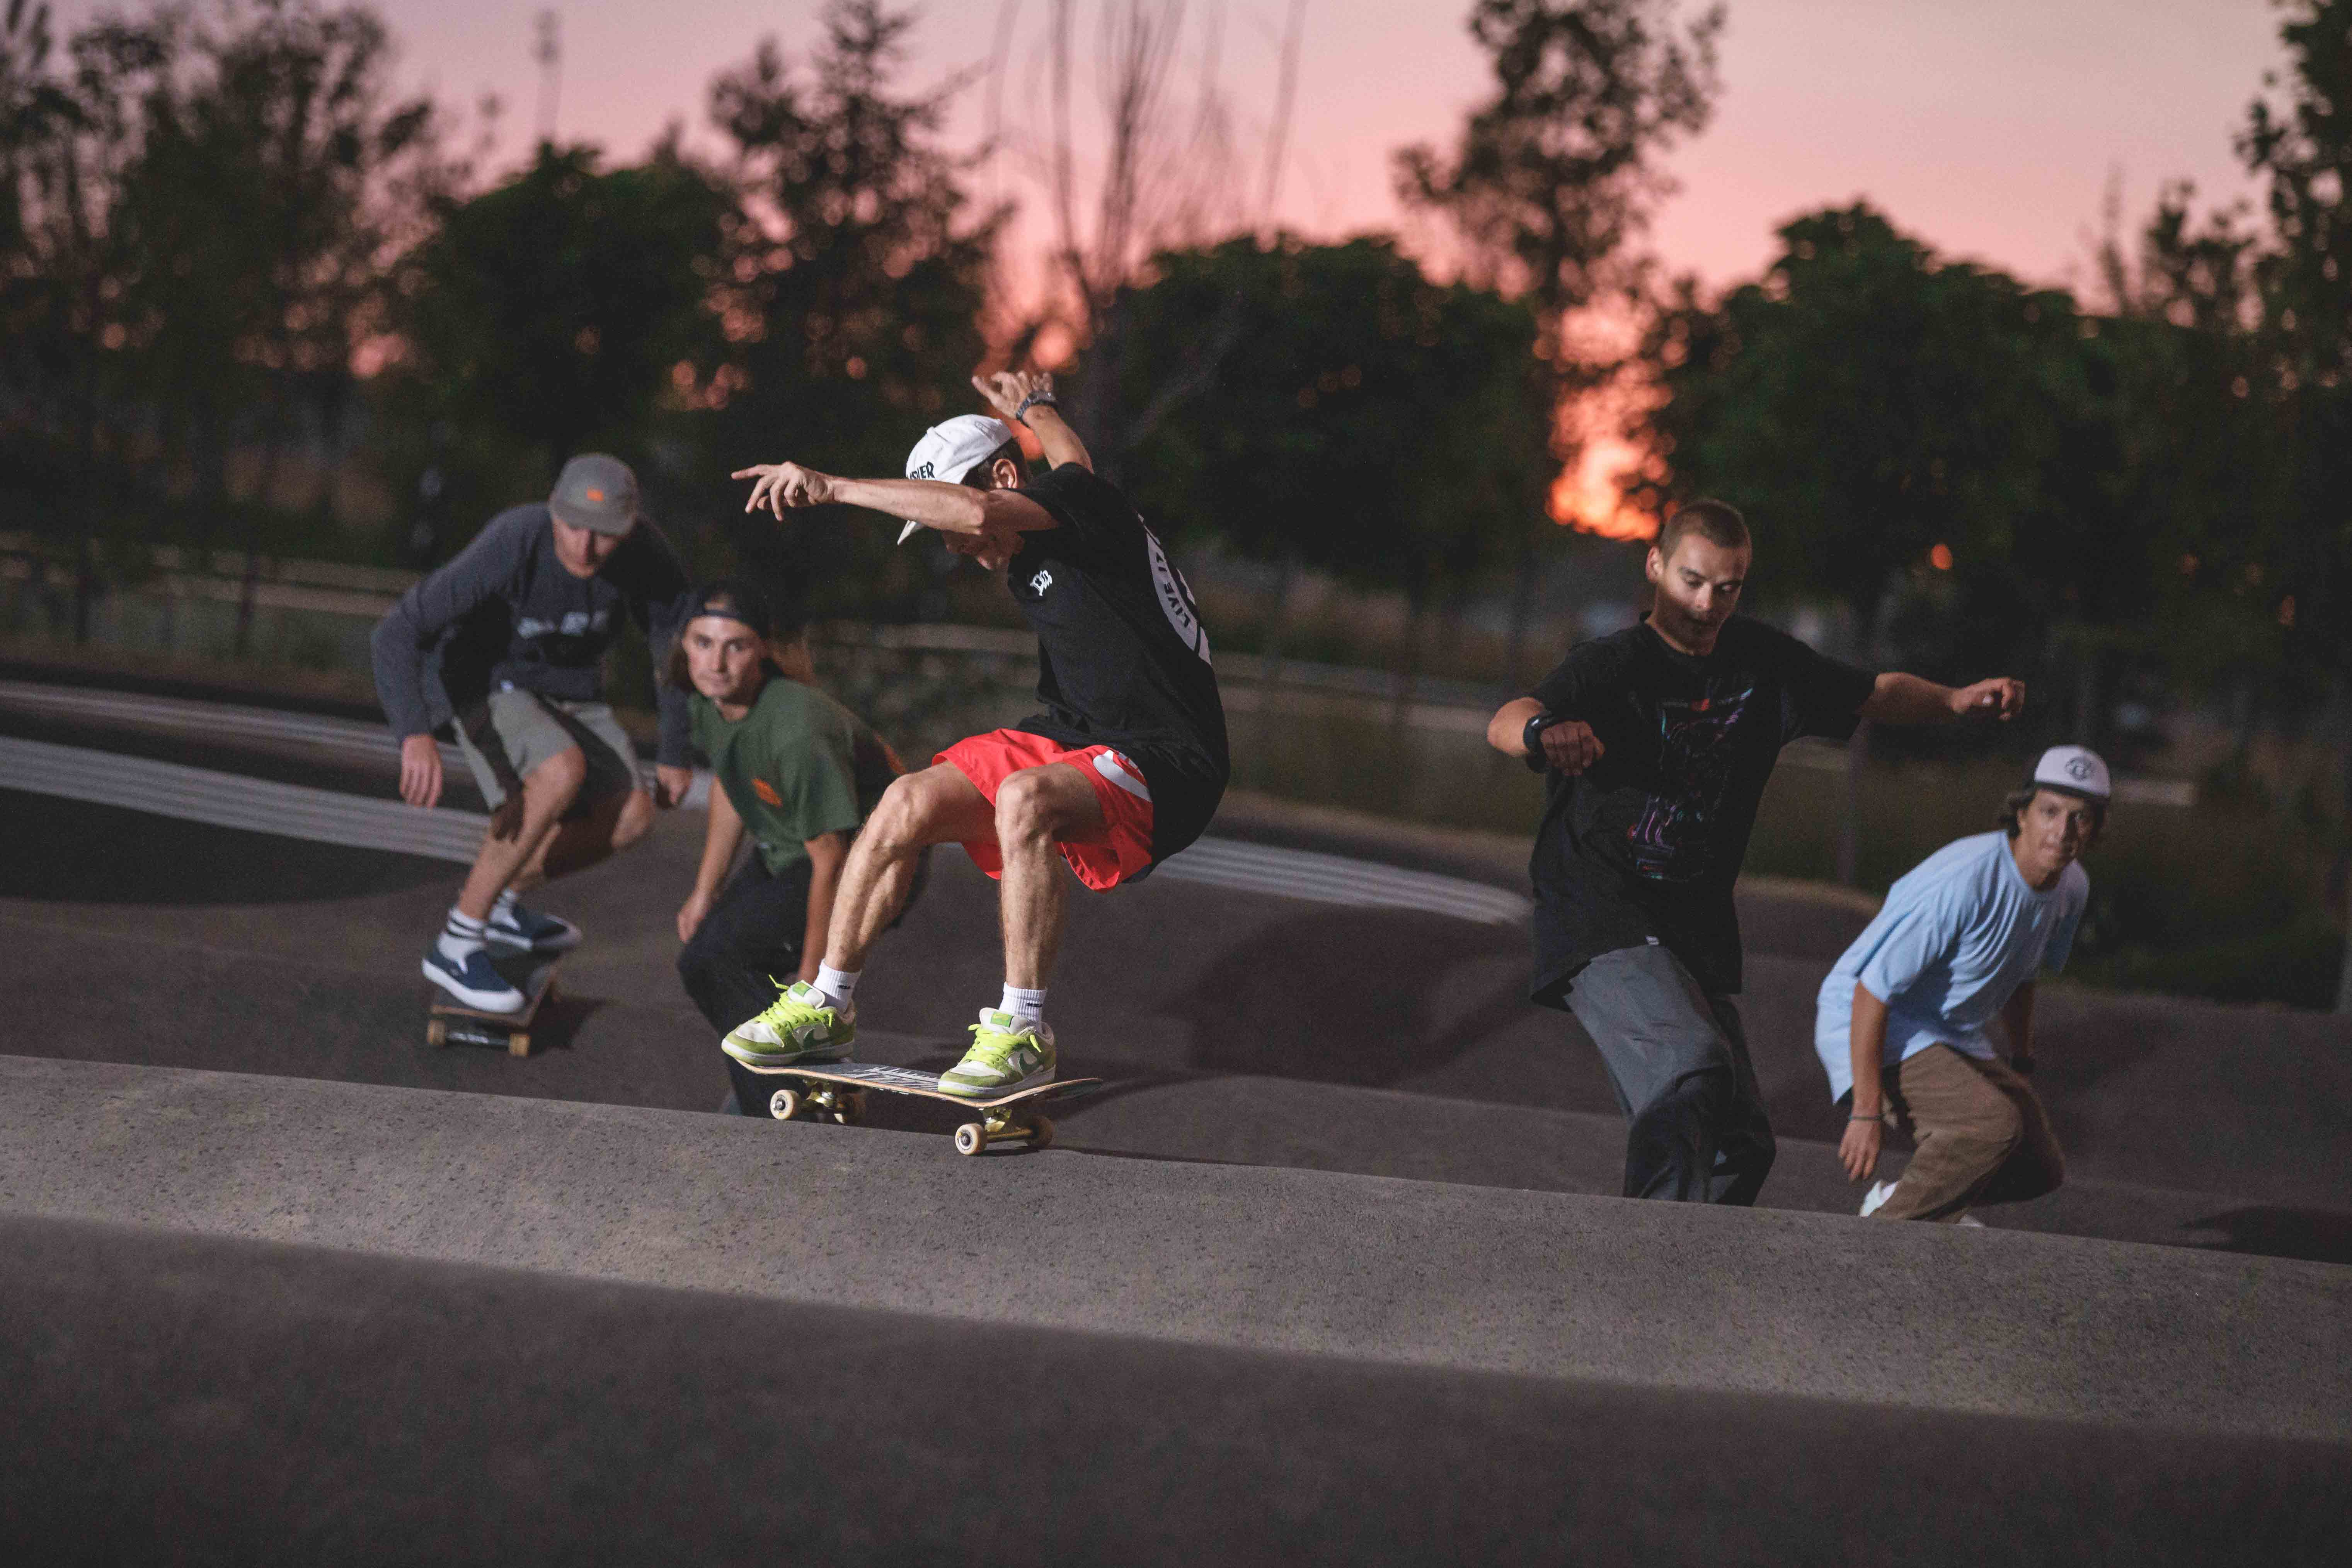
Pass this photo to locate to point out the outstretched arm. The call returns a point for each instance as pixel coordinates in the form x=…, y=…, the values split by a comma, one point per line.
x=1900, y=699
x=979, y=523
x=1027, y=397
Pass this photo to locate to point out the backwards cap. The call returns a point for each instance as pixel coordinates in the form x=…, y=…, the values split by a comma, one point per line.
x=2074, y=770
x=951, y=449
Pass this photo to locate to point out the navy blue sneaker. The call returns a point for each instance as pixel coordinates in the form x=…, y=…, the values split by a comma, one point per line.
x=520, y=930
x=472, y=980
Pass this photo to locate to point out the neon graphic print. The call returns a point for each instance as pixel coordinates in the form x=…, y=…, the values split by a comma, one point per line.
x=1671, y=839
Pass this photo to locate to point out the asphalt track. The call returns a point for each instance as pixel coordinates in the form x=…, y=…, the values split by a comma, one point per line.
x=256, y=1390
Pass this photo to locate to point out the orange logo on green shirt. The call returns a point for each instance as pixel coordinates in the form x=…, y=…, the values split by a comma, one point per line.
x=766, y=792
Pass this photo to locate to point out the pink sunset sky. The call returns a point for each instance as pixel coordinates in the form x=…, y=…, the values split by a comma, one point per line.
x=1990, y=128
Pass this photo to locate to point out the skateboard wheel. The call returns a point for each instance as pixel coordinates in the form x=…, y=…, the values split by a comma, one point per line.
x=518, y=1045
x=970, y=1138
x=437, y=1033
x=1041, y=1133
x=784, y=1104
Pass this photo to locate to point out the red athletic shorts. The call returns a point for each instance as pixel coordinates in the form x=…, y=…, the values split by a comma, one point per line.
x=1103, y=858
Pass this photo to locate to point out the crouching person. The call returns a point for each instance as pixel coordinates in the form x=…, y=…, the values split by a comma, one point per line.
x=792, y=770
x=1901, y=1021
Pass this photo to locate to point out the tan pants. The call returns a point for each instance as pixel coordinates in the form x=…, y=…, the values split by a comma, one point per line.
x=1981, y=1136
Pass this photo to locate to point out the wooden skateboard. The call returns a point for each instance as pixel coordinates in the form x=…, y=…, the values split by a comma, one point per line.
x=836, y=1092
x=449, y=1022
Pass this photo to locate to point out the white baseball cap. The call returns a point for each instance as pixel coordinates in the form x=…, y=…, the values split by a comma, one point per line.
x=2075, y=770
x=951, y=449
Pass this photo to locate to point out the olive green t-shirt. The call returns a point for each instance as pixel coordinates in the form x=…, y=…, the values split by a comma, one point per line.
x=797, y=766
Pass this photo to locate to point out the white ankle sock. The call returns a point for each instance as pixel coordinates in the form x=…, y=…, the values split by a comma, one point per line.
x=839, y=986
x=461, y=937
x=504, y=904
x=1029, y=1005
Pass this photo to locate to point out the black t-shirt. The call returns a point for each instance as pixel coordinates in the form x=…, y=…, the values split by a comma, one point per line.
x=1645, y=845
x=1122, y=657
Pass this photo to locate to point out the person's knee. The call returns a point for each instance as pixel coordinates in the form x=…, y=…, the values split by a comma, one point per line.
x=1026, y=810
x=897, y=823
x=559, y=776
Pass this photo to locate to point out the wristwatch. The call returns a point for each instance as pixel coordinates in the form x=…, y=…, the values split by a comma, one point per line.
x=1531, y=737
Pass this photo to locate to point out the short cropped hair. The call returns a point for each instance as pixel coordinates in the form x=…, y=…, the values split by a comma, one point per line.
x=977, y=475
x=2013, y=810
x=1718, y=522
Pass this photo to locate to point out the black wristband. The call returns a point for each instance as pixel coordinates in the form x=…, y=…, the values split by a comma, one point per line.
x=1034, y=400
x=1531, y=737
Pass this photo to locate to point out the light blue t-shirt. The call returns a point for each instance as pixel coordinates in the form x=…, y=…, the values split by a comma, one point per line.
x=1956, y=938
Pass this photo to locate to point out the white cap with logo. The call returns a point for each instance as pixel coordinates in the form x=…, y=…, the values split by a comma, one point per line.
x=951, y=449
x=2076, y=770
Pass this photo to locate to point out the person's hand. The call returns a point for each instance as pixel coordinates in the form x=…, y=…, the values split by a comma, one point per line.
x=670, y=784
x=1858, y=1150
x=2002, y=697
x=780, y=485
x=692, y=913
x=1570, y=746
x=420, y=771
x=1007, y=390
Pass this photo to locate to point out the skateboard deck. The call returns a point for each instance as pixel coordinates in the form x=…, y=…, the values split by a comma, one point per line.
x=835, y=1091
x=449, y=1022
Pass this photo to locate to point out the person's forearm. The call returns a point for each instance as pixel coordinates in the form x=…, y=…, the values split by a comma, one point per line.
x=1053, y=434
x=1900, y=699
x=721, y=836
x=1507, y=730
x=953, y=509
x=1866, y=1038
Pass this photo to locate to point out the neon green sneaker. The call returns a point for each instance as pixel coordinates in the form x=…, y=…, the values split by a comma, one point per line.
x=1007, y=1052
x=801, y=1026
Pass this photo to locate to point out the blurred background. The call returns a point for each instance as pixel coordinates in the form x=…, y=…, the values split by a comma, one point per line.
x=2022, y=339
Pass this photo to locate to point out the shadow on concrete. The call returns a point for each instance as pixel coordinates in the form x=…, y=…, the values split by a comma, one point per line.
x=2314, y=1236
x=64, y=851
x=1344, y=995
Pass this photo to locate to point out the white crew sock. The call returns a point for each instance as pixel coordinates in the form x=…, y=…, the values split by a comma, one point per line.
x=461, y=937
x=839, y=986
x=1029, y=1005
x=504, y=905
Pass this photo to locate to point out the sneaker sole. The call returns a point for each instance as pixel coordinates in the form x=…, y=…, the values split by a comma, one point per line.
x=824, y=1055
x=995, y=1091
x=479, y=1001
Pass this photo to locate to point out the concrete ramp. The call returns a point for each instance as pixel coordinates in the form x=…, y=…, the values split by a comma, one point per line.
x=1549, y=1286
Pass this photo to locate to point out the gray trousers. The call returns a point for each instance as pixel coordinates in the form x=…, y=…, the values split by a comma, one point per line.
x=1696, y=1132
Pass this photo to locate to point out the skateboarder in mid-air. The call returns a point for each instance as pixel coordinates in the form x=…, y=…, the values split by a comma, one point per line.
x=519, y=623
x=794, y=771
x=1123, y=768
x=1657, y=742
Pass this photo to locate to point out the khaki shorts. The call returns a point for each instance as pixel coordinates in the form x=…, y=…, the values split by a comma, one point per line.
x=515, y=731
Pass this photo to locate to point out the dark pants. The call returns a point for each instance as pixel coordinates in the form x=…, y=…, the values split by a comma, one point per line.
x=747, y=947
x=1678, y=1057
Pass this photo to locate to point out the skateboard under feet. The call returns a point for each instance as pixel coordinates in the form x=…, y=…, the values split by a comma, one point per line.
x=450, y=1022
x=836, y=1092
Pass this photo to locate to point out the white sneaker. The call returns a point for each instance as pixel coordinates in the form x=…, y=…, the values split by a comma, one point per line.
x=1971, y=1222
x=1876, y=1199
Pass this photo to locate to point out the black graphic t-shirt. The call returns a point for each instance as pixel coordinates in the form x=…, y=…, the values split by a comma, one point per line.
x=1645, y=845
x=1122, y=657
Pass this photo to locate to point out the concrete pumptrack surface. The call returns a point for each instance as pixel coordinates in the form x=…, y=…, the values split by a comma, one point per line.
x=1328, y=1272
